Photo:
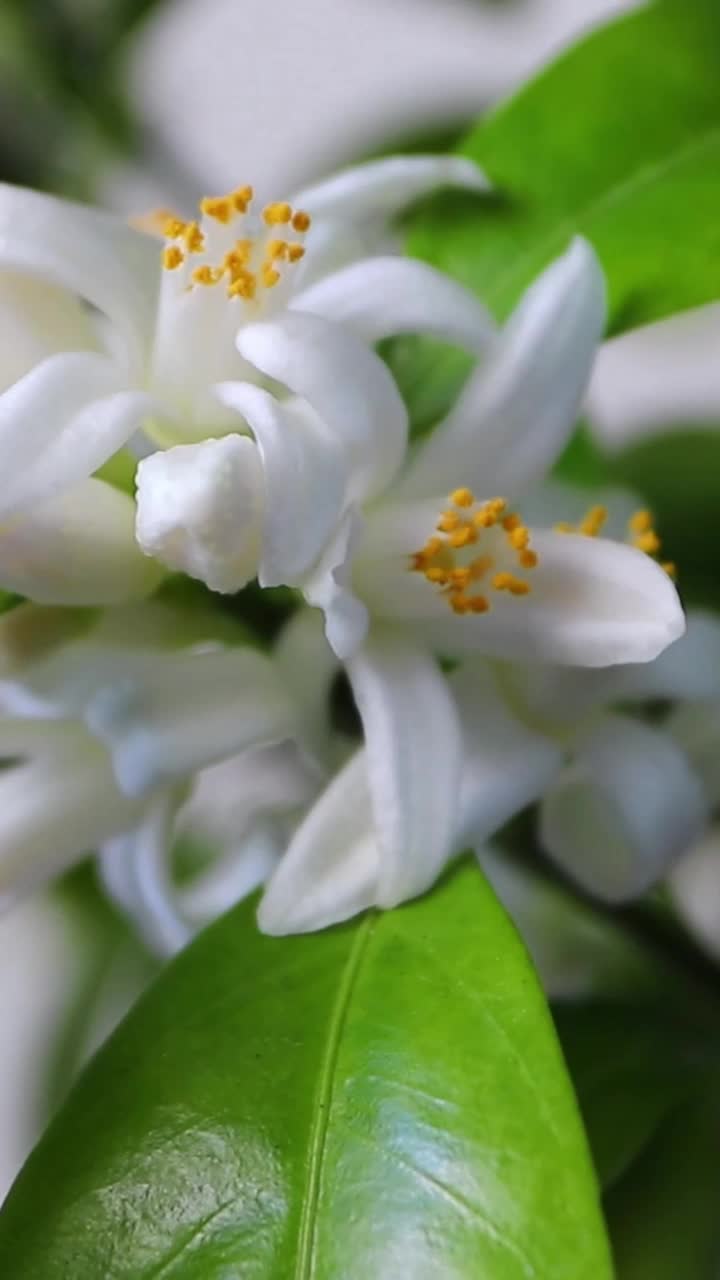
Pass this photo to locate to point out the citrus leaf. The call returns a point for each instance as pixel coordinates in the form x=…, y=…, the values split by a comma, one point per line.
x=386, y=1098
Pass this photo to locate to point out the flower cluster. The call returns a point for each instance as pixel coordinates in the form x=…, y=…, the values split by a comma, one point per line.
x=204, y=397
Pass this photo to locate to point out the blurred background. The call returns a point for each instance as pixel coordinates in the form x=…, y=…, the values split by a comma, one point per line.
x=135, y=104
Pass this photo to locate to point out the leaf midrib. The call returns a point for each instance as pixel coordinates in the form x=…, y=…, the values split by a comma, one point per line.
x=320, y=1122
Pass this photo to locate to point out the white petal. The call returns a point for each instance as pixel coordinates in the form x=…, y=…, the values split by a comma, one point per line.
x=228, y=799
x=77, y=549
x=382, y=188
x=38, y=320
x=331, y=867
x=92, y=254
x=696, y=730
x=380, y=297
x=60, y=422
x=307, y=665
x=593, y=602
x=506, y=765
x=346, y=384
x=329, y=588
x=695, y=887
x=304, y=476
x=186, y=712
x=623, y=810
x=200, y=509
x=518, y=409
x=414, y=755
x=689, y=669
x=54, y=811
x=232, y=877
x=135, y=871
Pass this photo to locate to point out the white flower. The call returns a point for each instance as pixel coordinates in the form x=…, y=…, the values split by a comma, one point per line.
x=101, y=736
x=112, y=334
x=450, y=759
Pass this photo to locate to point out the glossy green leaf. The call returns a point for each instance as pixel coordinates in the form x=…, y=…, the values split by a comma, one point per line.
x=384, y=1099
x=618, y=140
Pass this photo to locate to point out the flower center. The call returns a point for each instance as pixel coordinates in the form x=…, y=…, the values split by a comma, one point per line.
x=476, y=542
x=232, y=245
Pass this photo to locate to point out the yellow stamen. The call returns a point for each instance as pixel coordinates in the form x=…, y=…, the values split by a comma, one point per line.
x=592, y=523
x=519, y=537
x=508, y=582
x=218, y=207
x=670, y=568
x=648, y=542
x=206, y=275
x=270, y=276
x=173, y=227
x=277, y=213
x=193, y=237
x=463, y=537
x=462, y=497
x=244, y=285
x=528, y=559
x=172, y=257
x=276, y=249
x=295, y=252
x=301, y=221
x=640, y=522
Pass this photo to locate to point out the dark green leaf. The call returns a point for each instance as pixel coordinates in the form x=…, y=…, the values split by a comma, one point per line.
x=664, y=1213
x=383, y=1099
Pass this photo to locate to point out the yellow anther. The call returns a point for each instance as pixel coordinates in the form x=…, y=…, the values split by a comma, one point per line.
x=592, y=523
x=460, y=603
x=241, y=198
x=301, y=221
x=449, y=520
x=244, y=285
x=670, y=568
x=462, y=497
x=276, y=249
x=463, y=537
x=295, y=252
x=512, y=522
x=172, y=257
x=218, y=207
x=436, y=575
x=564, y=527
x=479, y=604
x=276, y=214
x=508, y=582
x=640, y=522
x=206, y=275
x=519, y=537
x=485, y=518
x=528, y=559
x=270, y=276
x=479, y=566
x=193, y=237
x=460, y=577
x=173, y=227
x=647, y=542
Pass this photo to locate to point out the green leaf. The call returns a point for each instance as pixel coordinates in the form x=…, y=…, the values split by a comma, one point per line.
x=386, y=1098
x=618, y=140
x=664, y=1213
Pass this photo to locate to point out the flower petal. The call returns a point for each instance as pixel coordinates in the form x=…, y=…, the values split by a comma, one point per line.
x=92, y=254
x=506, y=765
x=60, y=422
x=592, y=603
x=38, y=320
x=77, y=549
x=200, y=509
x=380, y=297
x=307, y=665
x=331, y=867
x=382, y=188
x=689, y=669
x=304, y=477
x=230, y=878
x=518, y=409
x=187, y=711
x=414, y=756
x=623, y=810
x=347, y=385
x=135, y=872
x=54, y=811
x=695, y=888
x=329, y=588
